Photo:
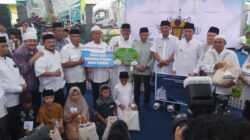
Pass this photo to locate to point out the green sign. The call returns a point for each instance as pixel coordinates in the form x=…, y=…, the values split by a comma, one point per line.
x=247, y=41
x=126, y=55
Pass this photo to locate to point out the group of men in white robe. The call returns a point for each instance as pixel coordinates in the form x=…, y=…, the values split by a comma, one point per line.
x=190, y=57
x=187, y=56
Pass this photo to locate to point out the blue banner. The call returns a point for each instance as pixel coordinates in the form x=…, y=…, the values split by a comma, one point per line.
x=97, y=57
x=170, y=87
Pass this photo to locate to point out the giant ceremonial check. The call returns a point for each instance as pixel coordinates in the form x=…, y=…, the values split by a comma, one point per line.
x=126, y=55
x=170, y=86
x=95, y=56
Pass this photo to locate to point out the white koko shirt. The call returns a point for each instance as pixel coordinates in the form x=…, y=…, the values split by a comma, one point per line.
x=211, y=58
x=11, y=81
x=123, y=94
x=3, y=110
x=99, y=75
x=188, y=56
x=49, y=62
x=71, y=53
x=165, y=47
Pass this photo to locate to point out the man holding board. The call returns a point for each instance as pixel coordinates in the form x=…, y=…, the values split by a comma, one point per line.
x=98, y=75
x=72, y=62
x=122, y=41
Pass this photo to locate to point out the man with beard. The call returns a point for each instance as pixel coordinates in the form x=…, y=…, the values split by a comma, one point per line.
x=49, y=70
x=25, y=58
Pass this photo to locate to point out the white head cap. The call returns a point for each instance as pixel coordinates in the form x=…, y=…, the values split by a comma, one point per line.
x=220, y=36
x=96, y=28
x=29, y=35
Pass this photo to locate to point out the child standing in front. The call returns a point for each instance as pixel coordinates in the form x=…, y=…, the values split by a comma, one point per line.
x=50, y=113
x=27, y=114
x=75, y=107
x=105, y=107
x=123, y=95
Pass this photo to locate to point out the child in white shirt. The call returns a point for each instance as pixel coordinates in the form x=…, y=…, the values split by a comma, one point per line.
x=123, y=95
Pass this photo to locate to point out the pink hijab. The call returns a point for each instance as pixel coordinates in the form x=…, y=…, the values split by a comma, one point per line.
x=81, y=104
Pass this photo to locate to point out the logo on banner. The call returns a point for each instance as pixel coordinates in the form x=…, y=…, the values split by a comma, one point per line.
x=126, y=55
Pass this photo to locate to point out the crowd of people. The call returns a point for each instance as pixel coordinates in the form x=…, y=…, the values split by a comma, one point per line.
x=44, y=81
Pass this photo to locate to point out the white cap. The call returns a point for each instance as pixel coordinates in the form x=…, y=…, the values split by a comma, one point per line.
x=29, y=35
x=220, y=36
x=96, y=28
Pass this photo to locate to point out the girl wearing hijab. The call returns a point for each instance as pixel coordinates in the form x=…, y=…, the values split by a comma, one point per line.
x=75, y=106
x=105, y=107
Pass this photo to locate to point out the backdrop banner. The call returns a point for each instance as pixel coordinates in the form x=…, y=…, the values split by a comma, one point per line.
x=225, y=14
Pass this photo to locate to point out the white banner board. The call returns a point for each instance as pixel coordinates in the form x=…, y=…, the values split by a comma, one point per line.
x=225, y=14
